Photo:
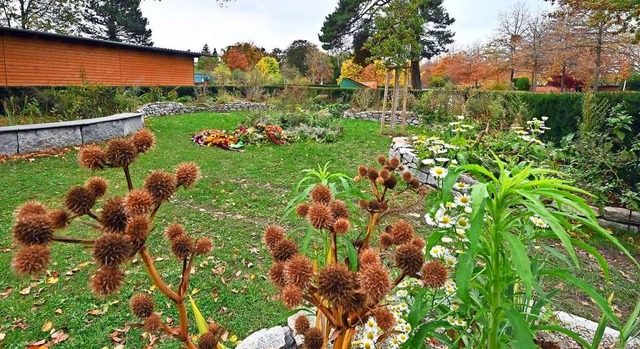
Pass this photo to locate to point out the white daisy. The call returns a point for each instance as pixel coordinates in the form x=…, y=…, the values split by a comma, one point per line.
x=461, y=186
x=430, y=222
x=442, y=159
x=463, y=200
x=437, y=251
x=428, y=162
x=450, y=261
x=462, y=223
x=445, y=221
x=438, y=172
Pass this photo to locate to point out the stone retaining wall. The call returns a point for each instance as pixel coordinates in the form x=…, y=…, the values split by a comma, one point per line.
x=173, y=108
x=611, y=217
x=412, y=118
x=24, y=139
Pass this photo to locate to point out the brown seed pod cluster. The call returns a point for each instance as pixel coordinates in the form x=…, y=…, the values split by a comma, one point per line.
x=161, y=185
x=187, y=174
x=143, y=140
x=120, y=152
x=142, y=305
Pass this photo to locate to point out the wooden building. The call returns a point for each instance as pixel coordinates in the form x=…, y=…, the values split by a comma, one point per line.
x=30, y=58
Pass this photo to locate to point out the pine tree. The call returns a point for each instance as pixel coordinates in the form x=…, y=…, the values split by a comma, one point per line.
x=205, y=49
x=118, y=20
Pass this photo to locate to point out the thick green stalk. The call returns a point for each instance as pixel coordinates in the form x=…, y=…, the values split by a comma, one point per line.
x=496, y=281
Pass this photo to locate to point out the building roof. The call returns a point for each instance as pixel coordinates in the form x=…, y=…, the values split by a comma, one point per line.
x=94, y=42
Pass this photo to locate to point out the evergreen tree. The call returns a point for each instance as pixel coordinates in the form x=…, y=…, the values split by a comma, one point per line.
x=59, y=16
x=205, y=49
x=117, y=20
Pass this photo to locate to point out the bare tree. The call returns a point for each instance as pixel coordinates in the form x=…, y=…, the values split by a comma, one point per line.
x=45, y=15
x=512, y=26
x=535, y=45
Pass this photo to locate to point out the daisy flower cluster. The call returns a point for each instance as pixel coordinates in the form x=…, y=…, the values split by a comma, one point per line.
x=535, y=128
x=459, y=127
x=538, y=222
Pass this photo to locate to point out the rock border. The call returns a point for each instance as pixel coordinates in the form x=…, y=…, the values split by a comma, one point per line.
x=173, y=108
x=23, y=139
x=374, y=115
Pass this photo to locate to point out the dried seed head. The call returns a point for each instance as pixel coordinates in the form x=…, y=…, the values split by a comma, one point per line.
x=143, y=140
x=298, y=271
x=114, y=218
x=161, y=185
x=204, y=246
x=182, y=246
x=97, y=186
x=364, y=204
x=272, y=235
x=284, y=249
x=401, y=168
x=208, y=340
x=358, y=301
x=92, y=157
x=394, y=163
x=383, y=206
x=319, y=216
x=142, y=305
x=59, y=219
x=369, y=257
x=337, y=284
x=402, y=232
x=409, y=259
x=313, y=339
x=407, y=176
x=372, y=173
x=174, y=231
x=33, y=229
x=434, y=274
x=31, y=260
x=302, y=210
x=362, y=171
x=153, y=323
x=382, y=159
x=138, y=202
x=107, y=281
x=414, y=183
x=341, y=226
x=385, y=174
x=276, y=274
x=111, y=249
x=302, y=325
x=137, y=229
x=419, y=242
x=121, y=152
x=375, y=282
x=80, y=200
x=29, y=208
x=339, y=209
x=390, y=182
x=321, y=194
x=187, y=174
x=385, y=240
x=291, y=296
x=385, y=319
x=374, y=205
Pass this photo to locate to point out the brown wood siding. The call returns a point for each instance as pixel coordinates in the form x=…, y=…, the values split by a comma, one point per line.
x=37, y=62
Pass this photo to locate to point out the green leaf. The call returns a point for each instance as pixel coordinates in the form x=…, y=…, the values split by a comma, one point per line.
x=203, y=327
x=520, y=261
x=352, y=253
x=524, y=335
x=555, y=328
x=464, y=272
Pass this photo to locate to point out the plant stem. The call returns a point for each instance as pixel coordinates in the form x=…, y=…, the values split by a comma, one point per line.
x=155, y=277
x=128, y=176
x=73, y=241
x=373, y=221
x=496, y=289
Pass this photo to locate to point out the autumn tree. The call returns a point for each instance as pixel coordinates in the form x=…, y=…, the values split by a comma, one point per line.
x=250, y=51
x=269, y=68
x=235, y=59
x=512, y=25
x=349, y=69
x=296, y=55
x=319, y=67
x=535, y=46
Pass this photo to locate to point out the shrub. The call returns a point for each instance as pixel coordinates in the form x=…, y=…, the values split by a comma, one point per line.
x=522, y=84
x=437, y=81
x=363, y=99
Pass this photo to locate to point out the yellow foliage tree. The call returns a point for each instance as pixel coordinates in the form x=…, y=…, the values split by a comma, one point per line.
x=350, y=70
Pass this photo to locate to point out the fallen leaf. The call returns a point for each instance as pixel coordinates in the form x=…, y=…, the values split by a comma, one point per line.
x=6, y=292
x=59, y=337
x=195, y=290
x=47, y=326
x=58, y=311
x=51, y=280
x=25, y=291
x=2, y=336
x=95, y=312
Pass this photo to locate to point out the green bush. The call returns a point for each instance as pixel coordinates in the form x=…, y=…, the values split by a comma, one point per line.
x=437, y=81
x=522, y=84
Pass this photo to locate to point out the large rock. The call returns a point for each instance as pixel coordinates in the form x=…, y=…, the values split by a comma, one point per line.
x=273, y=338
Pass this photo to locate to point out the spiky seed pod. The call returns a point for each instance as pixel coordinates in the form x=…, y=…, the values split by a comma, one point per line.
x=291, y=296
x=414, y=183
x=357, y=301
x=339, y=209
x=137, y=229
x=401, y=168
x=59, y=219
x=80, y=200
x=423, y=190
x=174, y=231
x=182, y=246
x=394, y=163
x=302, y=325
x=142, y=305
x=390, y=182
x=31, y=260
x=407, y=176
x=121, y=152
x=337, y=284
x=434, y=274
x=385, y=174
x=302, y=210
x=419, y=242
x=111, y=250
x=382, y=159
x=92, y=157
x=208, y=340
x=372, y=173
x=187, y=173
x=374, y=205
x=153, y=323
x=319, y=216
x=341, y=226
x=107, y=280
x=385, y=240
x=313, y=339
x=143, y=140
x=321, y=194
x=161, y=185
x=298, y=270
x=272, y=235
x=385, y=319
x=402, y=232
x=384, y=206
x=364, y=204
x=138, y=202
x=276, y=274
x=284, y=249
x=114, y=218
x=379, y=180
x=204, y=246
x=409, y=259
x=375, y=282
x=369, y=257
x=33, y=229
x=97, y=186
x=362, y=171
x=29, y=208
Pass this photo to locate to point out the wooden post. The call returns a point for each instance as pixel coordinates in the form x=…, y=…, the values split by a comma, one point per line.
x=405, y=93
x=384, y=100
x=394, y=99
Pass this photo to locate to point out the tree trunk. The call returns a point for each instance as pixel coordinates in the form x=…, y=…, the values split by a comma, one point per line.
x=534, y=78
x=596, y=71
x=416, y=77
x=405, y=92
x=394, y=100
x=564, y=73
x=384, y=100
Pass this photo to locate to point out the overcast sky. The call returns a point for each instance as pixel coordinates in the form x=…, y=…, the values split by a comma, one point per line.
x=189, y=24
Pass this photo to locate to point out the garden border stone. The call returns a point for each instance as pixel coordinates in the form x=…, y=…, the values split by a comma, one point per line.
x=173, y=108
x=22, y=139
x=374, y=115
